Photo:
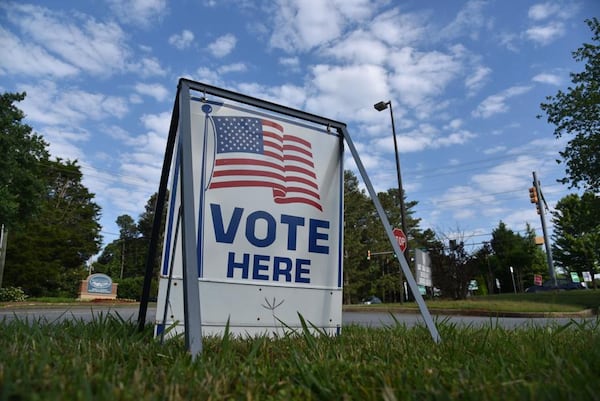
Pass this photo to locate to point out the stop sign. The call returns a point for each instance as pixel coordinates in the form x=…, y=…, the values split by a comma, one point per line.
x=400, y=237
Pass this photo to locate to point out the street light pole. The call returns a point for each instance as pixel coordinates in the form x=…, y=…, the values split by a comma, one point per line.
x=512, y=274
x=380, y=107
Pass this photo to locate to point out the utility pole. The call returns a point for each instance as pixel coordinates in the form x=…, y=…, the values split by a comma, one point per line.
x=3, y=242
x=536, y=196
x=122, y=256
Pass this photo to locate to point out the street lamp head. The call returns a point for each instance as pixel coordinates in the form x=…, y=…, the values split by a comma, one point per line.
x=381, y=105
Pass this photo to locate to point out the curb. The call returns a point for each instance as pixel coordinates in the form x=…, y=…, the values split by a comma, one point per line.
x=474, y=312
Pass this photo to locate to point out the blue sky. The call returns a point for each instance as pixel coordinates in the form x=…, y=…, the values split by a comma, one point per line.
x=465, y=80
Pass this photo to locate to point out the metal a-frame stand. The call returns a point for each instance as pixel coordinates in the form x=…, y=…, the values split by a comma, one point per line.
x=180, y=123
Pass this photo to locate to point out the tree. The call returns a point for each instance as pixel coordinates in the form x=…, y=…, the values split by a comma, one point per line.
x=577, y=112
x=511, y=249
x=124, y=259
x=452, y=268
x=576, y=236
x=146, y=219
x=363, y=232
x=23, y=160
x=358, y=211
x=482, y=262
x=127, y=234
x=47, y=255
x=127, y=228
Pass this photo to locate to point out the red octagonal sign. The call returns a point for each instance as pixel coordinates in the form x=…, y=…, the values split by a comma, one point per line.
x=400, y=237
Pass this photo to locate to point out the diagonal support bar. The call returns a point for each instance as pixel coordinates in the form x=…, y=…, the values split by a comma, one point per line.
x=388, y=230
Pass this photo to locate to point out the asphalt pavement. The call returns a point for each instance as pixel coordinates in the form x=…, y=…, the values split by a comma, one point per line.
x=371, y=318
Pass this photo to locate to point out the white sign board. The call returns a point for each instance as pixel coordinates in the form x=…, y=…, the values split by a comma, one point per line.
x=269, y=215
x=423, y=268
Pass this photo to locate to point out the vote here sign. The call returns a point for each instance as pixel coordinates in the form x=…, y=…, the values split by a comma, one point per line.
x=269, y=213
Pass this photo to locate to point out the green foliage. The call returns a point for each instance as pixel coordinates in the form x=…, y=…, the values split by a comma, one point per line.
x=131, y=288
x=108, y=359
x=12, y=294
x=520, y=252
x=452, y=269
x=363, y=231
x=126, y=256
x=47, y=255
x=577, y=112
x=21, y=165
x=576, y=236
x=357, y=213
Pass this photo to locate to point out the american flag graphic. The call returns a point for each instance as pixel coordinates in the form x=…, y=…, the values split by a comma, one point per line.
x=255, y=152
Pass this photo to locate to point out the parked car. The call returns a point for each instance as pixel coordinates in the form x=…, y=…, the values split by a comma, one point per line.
x=562, y=284
x=371, y=300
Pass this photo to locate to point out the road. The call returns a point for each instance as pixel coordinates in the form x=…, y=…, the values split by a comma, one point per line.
x=53, y=313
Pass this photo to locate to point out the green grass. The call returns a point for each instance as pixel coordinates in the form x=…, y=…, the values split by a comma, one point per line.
x=53, y=300
x=563, y=301
x=108, y=359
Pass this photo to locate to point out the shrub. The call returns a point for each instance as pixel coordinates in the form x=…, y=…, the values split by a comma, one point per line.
x=12, y=294
x=131, y=288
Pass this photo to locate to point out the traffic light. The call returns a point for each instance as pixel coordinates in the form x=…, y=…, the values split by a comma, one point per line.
x=533, y=195
x=369, y=254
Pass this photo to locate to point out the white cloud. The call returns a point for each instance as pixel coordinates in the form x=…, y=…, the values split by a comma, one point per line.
x=292, y=63
x=347, y=92
x=126, y=200
x=545, y=34
x=359, y=47
x=25, y=58
x=138, y=12
x=424, y=136
x=47, y=104
x=134, y=98
x=509, y=40
x=354, y=9
x=545, y=78
x=149, y=150
x=223, y=45
x=542, y=11
x=209, y=75
x=469, y=21
x=147, y=67
x=495, y=104
x=235, y=67
x=454, y=124
x=157, y=122
x=157, y=91
x=94, y=47
x=457, y=197
x=506, y=176
x=477, y=79
x=495, y=149
x=63, y=142
x=304, y=25
x=182, y=40
x=140, y=165
x=459, y=137
x=118, y=133
x=418, y=75
x=397, y=29
x=290, y=95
